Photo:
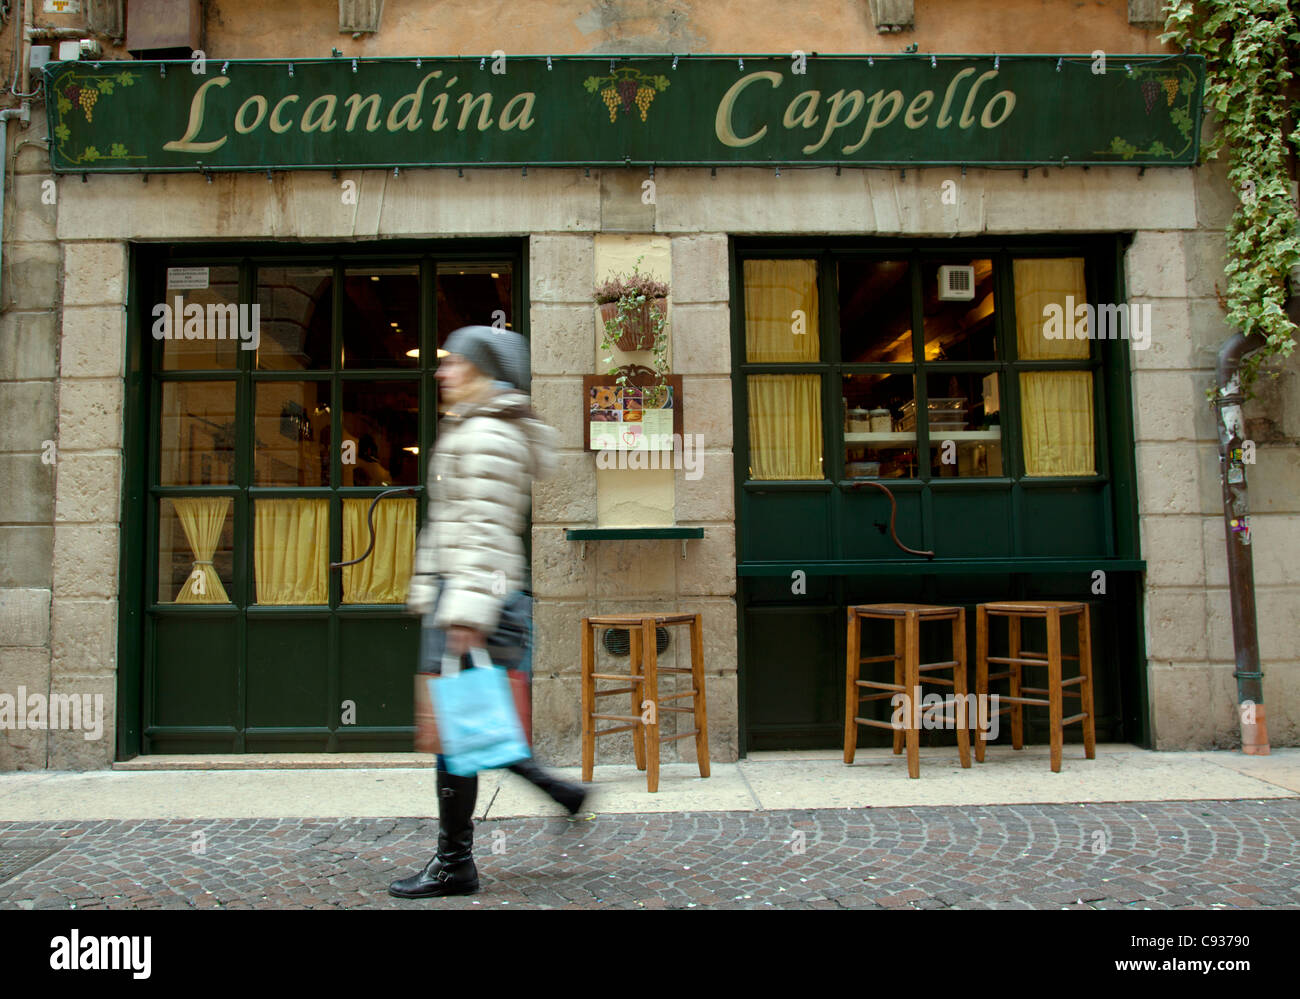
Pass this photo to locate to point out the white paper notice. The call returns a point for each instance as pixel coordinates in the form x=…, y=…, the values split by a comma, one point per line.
x=182, y=278
x=657, y=429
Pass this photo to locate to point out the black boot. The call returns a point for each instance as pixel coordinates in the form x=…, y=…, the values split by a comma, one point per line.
x=571, y=796
x=452, y=870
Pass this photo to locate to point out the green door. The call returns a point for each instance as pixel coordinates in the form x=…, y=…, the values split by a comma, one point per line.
x=930, y=369
x=274, y=393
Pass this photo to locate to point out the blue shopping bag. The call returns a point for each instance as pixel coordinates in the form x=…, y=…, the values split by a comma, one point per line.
x=478, y=724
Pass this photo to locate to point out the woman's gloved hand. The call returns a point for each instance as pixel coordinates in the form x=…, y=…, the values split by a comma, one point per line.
x=460, y=640
x=422, y=593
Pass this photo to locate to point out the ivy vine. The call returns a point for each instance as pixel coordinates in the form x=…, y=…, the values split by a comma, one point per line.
x=1250, y=49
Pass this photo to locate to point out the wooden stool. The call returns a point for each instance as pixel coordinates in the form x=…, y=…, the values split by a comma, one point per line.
x=644, y=663
x=908, y=674
x=1051, y=611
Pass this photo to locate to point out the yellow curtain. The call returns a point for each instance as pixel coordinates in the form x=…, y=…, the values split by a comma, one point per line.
x=383, y=577
x=1043, y=283
x=1055, y=406
x=202, y=518
x=775, y=290
x=785, y=427
x=1056, y=421
x=290, y=551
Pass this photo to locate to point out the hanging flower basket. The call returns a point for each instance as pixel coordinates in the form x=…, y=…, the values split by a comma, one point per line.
x=638, y=331
x=634, y=316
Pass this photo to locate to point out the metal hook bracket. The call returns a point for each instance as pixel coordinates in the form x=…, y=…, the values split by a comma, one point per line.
x=893, y=513
x=370, y=523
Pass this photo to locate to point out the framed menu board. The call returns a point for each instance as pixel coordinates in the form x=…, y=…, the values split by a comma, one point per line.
x=624, y=418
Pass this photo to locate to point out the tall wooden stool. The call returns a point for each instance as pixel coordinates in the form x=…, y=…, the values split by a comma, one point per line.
x=909, y=674
x=1051, y=611
x=643, y=723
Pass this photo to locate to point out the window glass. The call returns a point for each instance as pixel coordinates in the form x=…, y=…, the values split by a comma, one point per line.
x=291, y=543
x=1056, y=407
x=781, y=316
x=958, y=307
x=1050, y=299
x=209, y=338
x=297, y=306
x=196, y=562
x=876, y=443
x=875, y=311
x=1056, y=423
x=381, y=317
x=785, y=427
x=965, y=424
x=383, y=577
x=473, y=294
x=380, y=433
x=291, y=422
x=878, y=424
x=197, y=431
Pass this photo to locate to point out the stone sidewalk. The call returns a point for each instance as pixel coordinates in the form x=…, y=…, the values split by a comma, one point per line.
x=1132, y=829
x=1168, y=855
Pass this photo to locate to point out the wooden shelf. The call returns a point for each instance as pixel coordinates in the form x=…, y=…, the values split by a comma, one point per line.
x=881, y=437
x=966, y=435
x=906, y=437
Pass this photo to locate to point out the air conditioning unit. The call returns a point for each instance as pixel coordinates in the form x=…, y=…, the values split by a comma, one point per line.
x=956, y=284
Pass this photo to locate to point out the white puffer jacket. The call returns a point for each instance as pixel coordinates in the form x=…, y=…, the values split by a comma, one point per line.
x=479, y=488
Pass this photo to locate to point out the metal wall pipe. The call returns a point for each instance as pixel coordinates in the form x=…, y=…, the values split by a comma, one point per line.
x=1241, y=569
x=24, y=114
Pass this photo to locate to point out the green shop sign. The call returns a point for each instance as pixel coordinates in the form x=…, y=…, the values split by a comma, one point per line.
x=772, y=111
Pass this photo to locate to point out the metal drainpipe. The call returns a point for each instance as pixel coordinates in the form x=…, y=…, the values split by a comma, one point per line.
x=1241, y=572
x=24, y=114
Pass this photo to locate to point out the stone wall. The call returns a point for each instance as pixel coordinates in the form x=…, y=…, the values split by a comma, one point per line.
x=88, y=506
x=62, y=340
x=1179, y=271
x=29, y=371
x=258, y=31
x=635, y=576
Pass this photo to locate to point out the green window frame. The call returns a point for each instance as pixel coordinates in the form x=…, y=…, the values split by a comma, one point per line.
x=1006, y=364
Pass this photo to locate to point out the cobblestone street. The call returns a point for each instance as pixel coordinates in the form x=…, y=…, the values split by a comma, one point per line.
x=1168, y=855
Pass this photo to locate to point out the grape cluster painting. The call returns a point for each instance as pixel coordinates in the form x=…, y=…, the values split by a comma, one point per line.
x=626, y=89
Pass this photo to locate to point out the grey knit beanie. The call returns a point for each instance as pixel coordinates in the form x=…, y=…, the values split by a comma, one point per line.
x=500, y=354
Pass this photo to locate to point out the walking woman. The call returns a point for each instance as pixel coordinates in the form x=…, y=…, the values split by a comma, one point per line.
x=469, y=564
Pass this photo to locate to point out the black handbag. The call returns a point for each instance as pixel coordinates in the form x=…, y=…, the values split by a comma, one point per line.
x=509, y=645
